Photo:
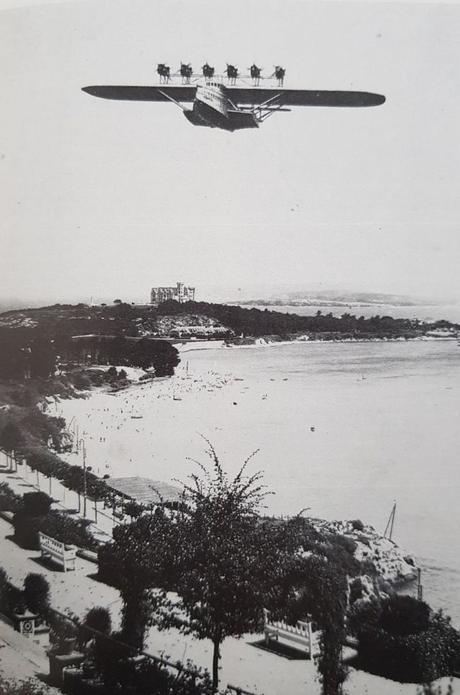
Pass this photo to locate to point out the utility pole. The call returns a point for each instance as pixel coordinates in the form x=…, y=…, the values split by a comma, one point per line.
x=81, y=442
x=84, y=478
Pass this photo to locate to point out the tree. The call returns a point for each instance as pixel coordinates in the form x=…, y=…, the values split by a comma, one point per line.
x=42, y=358
x=13, y=362
x=37, y=594
x=159, y=354
x=112, y=373
x=227, y=560
x=224, y=562
x=11, y=437
x=330, y=594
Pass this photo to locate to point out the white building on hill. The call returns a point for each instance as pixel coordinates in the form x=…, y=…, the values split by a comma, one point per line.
x=179, y=293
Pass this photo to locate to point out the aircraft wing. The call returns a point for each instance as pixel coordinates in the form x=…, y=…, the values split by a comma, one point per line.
x=182, y=93
x=303, y=97
x=239, y=95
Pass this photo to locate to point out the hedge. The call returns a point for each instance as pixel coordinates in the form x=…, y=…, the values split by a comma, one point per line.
x=420, y=657
x=55, y=524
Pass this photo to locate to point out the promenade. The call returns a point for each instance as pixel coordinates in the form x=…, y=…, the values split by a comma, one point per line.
x=243, y=664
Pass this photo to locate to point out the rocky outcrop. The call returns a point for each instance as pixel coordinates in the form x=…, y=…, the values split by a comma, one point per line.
x=386, y=562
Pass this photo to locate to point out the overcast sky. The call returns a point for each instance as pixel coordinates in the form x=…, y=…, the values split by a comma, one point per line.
x=104, y=198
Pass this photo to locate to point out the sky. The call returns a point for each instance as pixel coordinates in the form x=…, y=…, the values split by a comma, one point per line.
x=103, y=199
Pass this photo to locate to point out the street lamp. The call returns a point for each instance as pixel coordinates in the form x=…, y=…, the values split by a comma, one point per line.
x=83, y=447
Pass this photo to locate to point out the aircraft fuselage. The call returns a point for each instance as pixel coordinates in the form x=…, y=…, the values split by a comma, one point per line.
x=213, y=108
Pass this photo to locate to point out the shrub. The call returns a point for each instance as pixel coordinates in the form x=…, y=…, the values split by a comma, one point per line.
x=356, y=590
x=388, y=649
x=37, y=594
x=4, y=585
x=81, y=381
x=28, y=687
x=98, y=618
x=357, y=525
x=55, y=524
x=363, y=616
x=63, y=633
x=26, y=529
x=9, y=501
x=36, y=503
x=133, y=509
x=348, y=544
x=68, y=530
x=404, y=615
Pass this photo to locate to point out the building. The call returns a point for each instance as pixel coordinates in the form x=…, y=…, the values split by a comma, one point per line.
x=179, y=293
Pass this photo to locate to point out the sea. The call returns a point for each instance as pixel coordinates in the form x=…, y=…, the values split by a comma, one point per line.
x=347, y=430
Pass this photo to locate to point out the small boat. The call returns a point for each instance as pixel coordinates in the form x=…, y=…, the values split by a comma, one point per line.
x=136, y=417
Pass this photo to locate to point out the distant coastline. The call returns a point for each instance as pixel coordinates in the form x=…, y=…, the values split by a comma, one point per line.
x=184, y=346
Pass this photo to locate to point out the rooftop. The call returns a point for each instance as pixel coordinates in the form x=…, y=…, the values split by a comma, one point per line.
x=145, y=490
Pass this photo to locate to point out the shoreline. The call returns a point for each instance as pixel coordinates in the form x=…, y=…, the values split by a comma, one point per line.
x=269, y=341
x=171, y=389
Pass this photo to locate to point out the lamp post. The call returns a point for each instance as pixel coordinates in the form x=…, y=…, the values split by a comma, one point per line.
x=83, y=448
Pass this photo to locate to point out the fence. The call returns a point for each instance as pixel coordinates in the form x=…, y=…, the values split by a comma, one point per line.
x=195, y=674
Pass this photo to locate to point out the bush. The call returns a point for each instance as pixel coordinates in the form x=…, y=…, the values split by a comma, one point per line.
x=404, y=615
x=26, y=529
x=357, y=525
x=68, y=530
x=55, y=524
x=363, y=615
x=63, y=631
x=4, y=586
x=36, y=503
x=81, y=381
x=98, y=618
x=9, y=501
x=37, y=594
x=386, y=646
x=28, y=687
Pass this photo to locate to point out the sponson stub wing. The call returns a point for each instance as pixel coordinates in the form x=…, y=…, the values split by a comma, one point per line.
x=303, y=97
x=182, y=93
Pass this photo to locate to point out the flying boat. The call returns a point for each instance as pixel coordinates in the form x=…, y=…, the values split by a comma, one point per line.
x=229, y=101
